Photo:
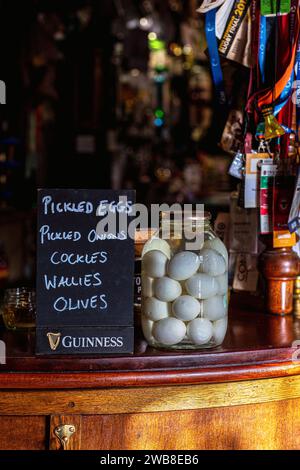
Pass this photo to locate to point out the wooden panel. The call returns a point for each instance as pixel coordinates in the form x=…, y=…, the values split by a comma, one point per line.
x=151, y=399
x=74, y=442
x=265, y=426
x=22, y=433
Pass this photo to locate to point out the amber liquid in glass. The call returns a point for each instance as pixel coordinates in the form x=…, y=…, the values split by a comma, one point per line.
x=18, y=317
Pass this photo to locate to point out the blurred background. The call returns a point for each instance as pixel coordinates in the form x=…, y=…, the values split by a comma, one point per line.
x=104, y=94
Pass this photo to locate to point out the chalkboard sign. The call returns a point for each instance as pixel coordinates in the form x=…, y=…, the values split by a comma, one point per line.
x=85, y=272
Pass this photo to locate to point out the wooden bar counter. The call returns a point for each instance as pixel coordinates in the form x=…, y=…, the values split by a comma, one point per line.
x=243, y=395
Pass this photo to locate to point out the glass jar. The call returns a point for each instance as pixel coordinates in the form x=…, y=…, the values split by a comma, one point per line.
x=184, y=286
x=141, y=237
x=19, y=309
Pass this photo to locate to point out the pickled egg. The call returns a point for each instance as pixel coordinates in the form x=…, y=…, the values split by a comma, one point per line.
x=147, y=286
x=169, y=331
x=219, y=329
x=155, y=309
x=155, y=263
x=147, y=327
x=200, y=330
x=214, y=308
x=212, y=262
x=157, y=244
x=183, y=265
x=186, y=308
x=218, y=245
x=202, y=286
x=167, y=289
x=223, y=283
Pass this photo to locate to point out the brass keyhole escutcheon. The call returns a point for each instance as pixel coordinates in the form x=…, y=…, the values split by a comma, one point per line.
x=64, y=432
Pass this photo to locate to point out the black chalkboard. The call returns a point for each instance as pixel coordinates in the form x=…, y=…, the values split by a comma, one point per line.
x=84, y=277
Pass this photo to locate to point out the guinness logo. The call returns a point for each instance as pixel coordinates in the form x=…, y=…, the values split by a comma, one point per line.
x=54, y=340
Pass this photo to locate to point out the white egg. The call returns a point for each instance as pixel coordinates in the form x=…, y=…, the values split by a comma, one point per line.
x=219, y=330
x=169, y=331
x=154, y=263
x=147, y=327
x=218, y=245
x=212, y=262
x=167, y=289
x=186, y=308
x=202, y=286
x=157, y=244
x=147, y=286
x=183, y=265
x=155, y=309
x=200, y=331
x=223, y=283
x=214, y=308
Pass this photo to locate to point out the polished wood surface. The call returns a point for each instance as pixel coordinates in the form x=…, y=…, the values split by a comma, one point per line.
x=23, y=432
x=252, y=427
x=273, y=425
x=148, y=399
x=280, y=268
x=84, y=380
x=257, y=345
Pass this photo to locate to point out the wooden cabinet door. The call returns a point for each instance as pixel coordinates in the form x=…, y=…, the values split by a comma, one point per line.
x=23, y=433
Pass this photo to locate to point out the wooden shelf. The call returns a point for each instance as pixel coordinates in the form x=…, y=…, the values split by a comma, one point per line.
x=257, y=345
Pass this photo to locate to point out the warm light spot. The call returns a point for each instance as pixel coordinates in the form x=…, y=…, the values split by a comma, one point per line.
x=152, y=36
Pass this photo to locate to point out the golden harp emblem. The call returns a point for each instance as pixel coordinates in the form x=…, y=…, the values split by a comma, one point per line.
x=54, y=340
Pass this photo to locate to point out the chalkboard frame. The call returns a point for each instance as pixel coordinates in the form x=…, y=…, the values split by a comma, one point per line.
x=71, y=302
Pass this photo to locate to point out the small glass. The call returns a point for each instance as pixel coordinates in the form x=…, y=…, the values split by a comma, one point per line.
x=19, y=309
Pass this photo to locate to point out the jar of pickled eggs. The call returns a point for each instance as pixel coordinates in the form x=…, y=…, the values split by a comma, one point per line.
x=184, y=286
